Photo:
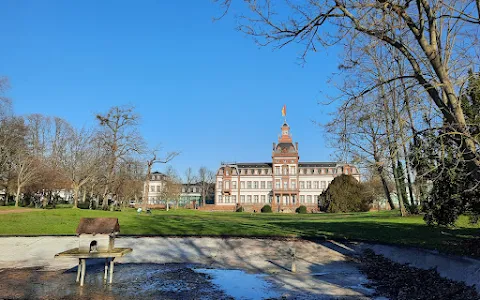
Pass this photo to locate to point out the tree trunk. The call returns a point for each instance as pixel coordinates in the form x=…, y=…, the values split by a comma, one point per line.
x=147, y=186
x=17, y=196
x=76, y=192
x=84, y=195
x=385, y=188
x=6, y=195
x=105, y=200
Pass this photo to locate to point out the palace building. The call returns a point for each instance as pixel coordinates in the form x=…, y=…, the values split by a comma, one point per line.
x=285, y=183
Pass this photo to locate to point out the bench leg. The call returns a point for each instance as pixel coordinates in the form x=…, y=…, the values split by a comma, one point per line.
x=82, y=277
x=111, y=270
x=79, y=269
x=105, y=275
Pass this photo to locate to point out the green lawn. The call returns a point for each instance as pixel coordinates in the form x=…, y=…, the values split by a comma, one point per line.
x=382, y=227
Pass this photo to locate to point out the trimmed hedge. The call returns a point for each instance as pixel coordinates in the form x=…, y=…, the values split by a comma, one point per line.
x=266, y=209
x=302, y=209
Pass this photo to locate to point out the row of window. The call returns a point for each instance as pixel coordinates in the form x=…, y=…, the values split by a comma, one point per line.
x=157, y=188
x=261, y=199
x=193, y=189
x=268, y=184
x=285, y=170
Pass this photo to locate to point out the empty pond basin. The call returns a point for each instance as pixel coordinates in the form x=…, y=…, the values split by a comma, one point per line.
x=241, y=285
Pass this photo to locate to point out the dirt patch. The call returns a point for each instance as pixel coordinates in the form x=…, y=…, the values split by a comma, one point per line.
x=403, y=282
x=15, y=211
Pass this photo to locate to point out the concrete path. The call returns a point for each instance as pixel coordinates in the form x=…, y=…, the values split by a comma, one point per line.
x=321, y=271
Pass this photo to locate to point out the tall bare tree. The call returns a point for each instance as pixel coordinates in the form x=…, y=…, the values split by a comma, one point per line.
x=205, y=178
x=151, y=161
x=27, y=170
x=173, y=187
x=80, y=161
x=119, y=138
x=438, y=39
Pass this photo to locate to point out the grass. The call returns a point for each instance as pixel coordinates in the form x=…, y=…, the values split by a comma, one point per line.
x=381, y=227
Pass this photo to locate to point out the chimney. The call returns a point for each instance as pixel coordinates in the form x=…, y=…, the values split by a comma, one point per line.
x=296, y=145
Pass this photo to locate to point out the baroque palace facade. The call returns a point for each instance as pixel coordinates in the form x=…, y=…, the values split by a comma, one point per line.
x=285, y=183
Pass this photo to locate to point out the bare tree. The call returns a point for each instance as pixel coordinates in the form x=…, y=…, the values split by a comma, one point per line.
x=27, y=170
x=206, y=178
x=173, y=187
x=151, y=161
x=438, y=39
x=119, y=138
x=80, y=161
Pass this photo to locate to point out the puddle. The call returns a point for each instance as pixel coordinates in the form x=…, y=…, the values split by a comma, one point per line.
x=241, y=285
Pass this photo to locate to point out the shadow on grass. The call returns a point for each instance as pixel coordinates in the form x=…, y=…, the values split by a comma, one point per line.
x=462, y=241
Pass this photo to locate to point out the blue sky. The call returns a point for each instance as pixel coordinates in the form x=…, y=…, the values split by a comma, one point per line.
x=201, y=87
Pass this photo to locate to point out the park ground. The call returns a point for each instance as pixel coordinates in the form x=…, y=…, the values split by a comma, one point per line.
x=186, y=254
x=385, y=227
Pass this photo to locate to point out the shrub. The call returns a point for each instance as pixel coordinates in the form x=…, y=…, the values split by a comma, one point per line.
x=266, y=209
x=345, y=194
x=86, y=205
x=302, y=209
x=240, y=209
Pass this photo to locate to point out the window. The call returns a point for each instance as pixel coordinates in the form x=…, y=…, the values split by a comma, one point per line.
x=269, y=184
x=249, y=199
x=251, y=171
x=194, y=189
x=293, y=184
x=183, y=189
x=309, y=184
x=302, y=184
x=309, y=199
x=277, y=170
x=227, y=185
x=285, y=170
x=220, y=199
x=255, y=184
x=158, y=188
x=219, y=185
x=152, y=188
x=277, y=184
x=234, y=184
x=292, y=170
x=326, y=171
x=242, y=198
x=302, y=199
x=262, y=184
x=255, y=198
x=249, y=184
x=322, y=171
x=323, y=184
x=285, y=185
x=315, y=184
x=242, y=184
x=234, y=199
x=256, y=172
x=227, y=172
x=263, y=198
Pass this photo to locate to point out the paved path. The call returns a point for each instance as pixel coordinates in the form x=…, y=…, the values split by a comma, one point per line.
x=321, y=273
